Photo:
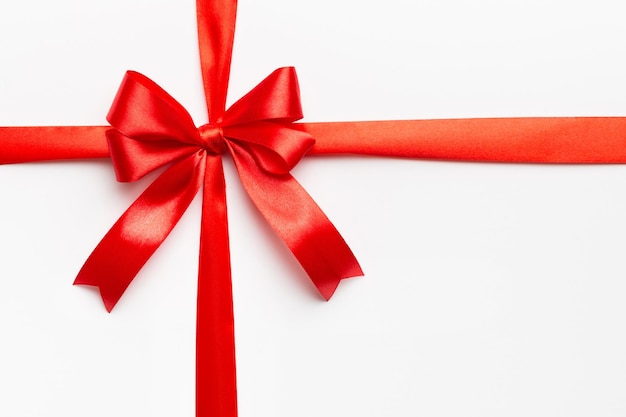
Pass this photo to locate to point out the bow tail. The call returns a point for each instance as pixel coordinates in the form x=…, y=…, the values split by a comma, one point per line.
x=142, y=228
x=216, y=388
x=300, y=223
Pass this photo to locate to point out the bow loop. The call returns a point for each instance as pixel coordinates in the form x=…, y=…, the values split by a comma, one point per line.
x=151, y=128
x=132, y=159
x=276, y=98
x=275, y=147
x=261, y=122
x=144, y=111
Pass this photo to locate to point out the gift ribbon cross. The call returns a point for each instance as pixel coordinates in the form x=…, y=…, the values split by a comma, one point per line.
x=149, y=129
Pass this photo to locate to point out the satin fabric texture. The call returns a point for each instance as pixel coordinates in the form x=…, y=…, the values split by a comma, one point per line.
x=150, y=129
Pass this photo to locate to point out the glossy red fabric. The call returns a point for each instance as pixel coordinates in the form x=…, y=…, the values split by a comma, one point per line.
x=572, y=140
x=152, y=130
x=569, y=140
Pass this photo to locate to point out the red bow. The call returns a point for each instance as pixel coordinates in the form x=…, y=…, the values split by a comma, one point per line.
x=151, y=129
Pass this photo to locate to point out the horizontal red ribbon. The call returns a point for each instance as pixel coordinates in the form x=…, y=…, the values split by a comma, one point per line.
x=570, y=140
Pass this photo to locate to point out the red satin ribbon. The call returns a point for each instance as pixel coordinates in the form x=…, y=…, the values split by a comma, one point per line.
x=151, y=129
x=571, y=140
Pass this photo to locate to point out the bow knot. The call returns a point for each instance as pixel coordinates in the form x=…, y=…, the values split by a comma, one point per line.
x=212, y=137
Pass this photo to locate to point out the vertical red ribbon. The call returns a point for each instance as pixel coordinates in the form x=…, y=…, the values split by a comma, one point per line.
x=216, y=385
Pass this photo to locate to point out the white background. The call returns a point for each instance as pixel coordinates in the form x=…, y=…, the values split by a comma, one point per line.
x=490, y=289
